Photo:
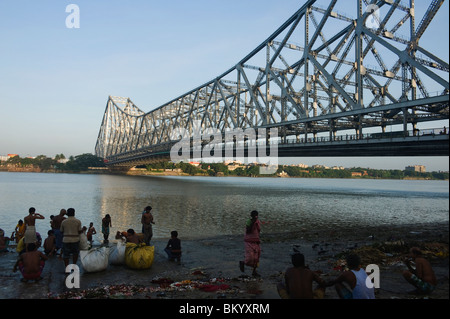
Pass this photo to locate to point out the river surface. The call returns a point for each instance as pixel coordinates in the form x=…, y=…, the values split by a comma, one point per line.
x=209, y=206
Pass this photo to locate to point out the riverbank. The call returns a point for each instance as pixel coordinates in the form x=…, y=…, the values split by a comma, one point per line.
x=209, y=266
x=144, y=172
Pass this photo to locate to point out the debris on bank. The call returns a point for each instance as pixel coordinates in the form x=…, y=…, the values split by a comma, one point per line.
x=391, y=253
x=161, y=287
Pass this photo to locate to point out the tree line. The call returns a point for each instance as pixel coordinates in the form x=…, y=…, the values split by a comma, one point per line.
x=220, y=169
x=84, y=161
x=74, y=164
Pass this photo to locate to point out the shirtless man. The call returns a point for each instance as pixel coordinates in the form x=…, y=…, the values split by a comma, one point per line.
x=30, y=220
x=147, y=221
x=129, y=236
x=299, y=281
x=31, y=263
x=423, y=277
x=132, y=237
x=56, y=225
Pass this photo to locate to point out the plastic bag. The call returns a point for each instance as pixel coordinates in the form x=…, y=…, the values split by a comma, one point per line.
x=117, y=254
x=139, y=256
x=95, y=259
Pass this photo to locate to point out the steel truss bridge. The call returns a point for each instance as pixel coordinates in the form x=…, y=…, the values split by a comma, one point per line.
x=338, y=78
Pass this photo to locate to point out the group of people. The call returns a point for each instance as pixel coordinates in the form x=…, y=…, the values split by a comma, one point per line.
x=67, y=237
x=351, y=284
x=173, y=247
x=63, y=239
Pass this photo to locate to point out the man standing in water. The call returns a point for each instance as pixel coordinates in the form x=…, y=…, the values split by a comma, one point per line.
x=71, y=230
x=252, y=244
x=30, y=221
x=56, y=225
x=147, y=221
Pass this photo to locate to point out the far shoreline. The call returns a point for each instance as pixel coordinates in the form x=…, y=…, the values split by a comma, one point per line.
x=163, y=174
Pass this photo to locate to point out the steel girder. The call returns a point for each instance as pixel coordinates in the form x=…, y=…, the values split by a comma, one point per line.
x=320, y=71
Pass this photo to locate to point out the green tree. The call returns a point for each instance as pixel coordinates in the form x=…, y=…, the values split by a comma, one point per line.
x=83, y=162
x=43, y=162
x=188, y=168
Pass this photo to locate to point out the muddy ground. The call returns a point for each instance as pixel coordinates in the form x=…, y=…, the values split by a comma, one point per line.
x=209, y=268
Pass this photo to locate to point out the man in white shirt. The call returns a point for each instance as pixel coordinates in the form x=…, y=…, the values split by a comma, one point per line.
x=71, y=229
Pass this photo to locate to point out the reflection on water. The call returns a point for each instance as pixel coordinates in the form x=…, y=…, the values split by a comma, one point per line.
x=208, y=206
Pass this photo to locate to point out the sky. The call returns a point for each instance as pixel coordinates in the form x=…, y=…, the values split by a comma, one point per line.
x=55, y=80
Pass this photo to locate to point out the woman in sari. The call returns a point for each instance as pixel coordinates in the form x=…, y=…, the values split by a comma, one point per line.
x=252, y=244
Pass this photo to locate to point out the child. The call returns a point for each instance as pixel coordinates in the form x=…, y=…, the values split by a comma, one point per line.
x=173, y=248
x=122, y=236
x=50, y=244
x=91, y=231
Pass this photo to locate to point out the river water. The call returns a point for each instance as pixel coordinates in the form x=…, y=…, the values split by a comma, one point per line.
x=209, y=206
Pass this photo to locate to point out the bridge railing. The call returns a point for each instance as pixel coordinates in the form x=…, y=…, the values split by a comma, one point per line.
x=365, y=136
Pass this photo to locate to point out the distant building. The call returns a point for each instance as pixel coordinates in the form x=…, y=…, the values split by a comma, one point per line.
x=416, y=168
x=4, y=158
x=232, y=167
x=363, y=173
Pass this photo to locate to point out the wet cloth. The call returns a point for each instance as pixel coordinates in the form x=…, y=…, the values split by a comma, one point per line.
x=30, y=235
x=32, y=276
x=20, y=231
x=252, y=245
x=105, y=229
x=423, y=286
x=147, y=229
x=58, y=238
x=252, y=254
x=21, y=246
